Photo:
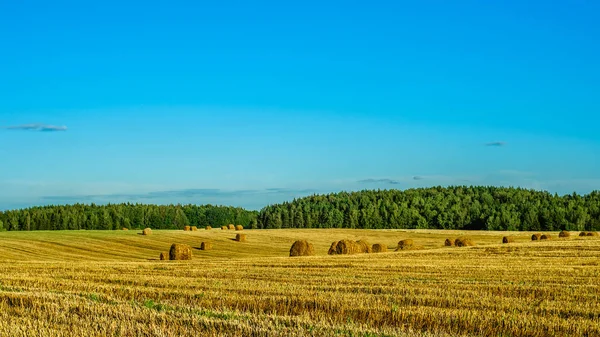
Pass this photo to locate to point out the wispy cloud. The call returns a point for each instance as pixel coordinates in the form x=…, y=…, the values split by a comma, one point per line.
x=495, y=144
x=418, y=178
x=38, y=127
x=380, y=181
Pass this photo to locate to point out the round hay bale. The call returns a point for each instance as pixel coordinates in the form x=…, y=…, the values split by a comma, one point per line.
x=546, y=237
x=302, y=248
x=223, y=228
x=591, y=234
x=364, y=246
x=239, y=228
x=405, y=244
x=206, y=246
x=187, y=228
x=208, y=228
x=332, y=248
x=180, y=251
x=347, y=247
x=464, y=242
x=125, y=228
x=194, y=228
x=240, y=238
x=536, y=237
x=231, y=227
x=379, y=248
x=583, y=234
x=449, y=242
x=147, y=231
x=164, y=256
x=564, y=234
x=507, y=239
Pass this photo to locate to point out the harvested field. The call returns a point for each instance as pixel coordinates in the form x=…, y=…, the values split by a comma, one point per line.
x=116, y=285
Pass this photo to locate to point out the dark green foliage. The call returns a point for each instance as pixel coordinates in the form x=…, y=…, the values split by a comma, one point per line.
x=117, y=216
x=456, y=207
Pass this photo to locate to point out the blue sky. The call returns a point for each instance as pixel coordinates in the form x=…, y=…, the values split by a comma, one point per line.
x=250, y=103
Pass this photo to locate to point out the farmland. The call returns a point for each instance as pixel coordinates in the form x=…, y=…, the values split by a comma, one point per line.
x=111, y=283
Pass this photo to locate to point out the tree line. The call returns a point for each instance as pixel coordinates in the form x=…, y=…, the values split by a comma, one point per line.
x=126, y=215
x=455, y=207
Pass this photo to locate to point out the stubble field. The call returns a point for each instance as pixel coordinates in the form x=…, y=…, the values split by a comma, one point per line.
x=111, y=283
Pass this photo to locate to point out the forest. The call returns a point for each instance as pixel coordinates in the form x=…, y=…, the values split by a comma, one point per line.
x=455, y=207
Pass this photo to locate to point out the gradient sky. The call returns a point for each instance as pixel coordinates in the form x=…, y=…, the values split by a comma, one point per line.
x=249, y=103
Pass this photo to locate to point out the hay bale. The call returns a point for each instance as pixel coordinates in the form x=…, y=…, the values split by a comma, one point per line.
x=194, y=228
x=206, y=246
x=449, y=242
x=230, y=227
x=180, y=251
x=364, y=246
x=536, y=237
x=546, y=237
x=239, y=228
x=302, y=248
x=405, y=244
x=208, y=228
x=379, y=248
x=344, y=247
x=464, y=242
x=591, y=234
x=583, y=234
x=332, y=248
x=564, y=234
x=125, y=228
x=223, y=228
x=508, y=239
x=187, y=228
x=164, y=256
x=240, y=238
x=147, y=231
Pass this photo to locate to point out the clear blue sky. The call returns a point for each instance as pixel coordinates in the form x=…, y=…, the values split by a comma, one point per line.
x=249, y=103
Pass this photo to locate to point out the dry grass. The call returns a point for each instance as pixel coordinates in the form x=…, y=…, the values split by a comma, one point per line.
x=109, y=283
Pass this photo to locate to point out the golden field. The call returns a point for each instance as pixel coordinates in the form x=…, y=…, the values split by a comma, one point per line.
x=111, y=283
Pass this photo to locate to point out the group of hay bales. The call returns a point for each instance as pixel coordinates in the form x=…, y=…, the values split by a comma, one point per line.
x=349, y=247
x=588, y=234
x=230, y=227
x=459, y=242
x=539, y=236
x=190, y=228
